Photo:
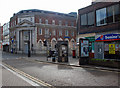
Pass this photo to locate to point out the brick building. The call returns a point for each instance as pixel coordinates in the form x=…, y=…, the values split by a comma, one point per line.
x=100, y=23
x=39, y=26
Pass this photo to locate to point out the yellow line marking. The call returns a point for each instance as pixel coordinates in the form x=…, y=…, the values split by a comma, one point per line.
x=28, y=76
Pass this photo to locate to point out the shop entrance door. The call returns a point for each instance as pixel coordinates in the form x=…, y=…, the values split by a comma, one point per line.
x=99, y=50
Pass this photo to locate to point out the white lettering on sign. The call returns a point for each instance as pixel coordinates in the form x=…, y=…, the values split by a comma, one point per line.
x=110, y=37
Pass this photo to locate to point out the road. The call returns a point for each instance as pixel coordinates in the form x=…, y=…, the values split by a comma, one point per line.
x=58, y=75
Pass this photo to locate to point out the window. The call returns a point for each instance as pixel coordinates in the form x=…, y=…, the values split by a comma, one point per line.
x=54, y=32
x=84, y=20
x=66, y=23
x=40, y=31
x=60, y=32
x=117, y=12
x=31, y=19
x=66, y=32
x=53, y=22
x=40, y=20
x=72, y=33
x=46, y=21
x=110, y=14
x=91, y=18
x=60, y=23
x=72, y=24
x=113, y=14
x=46, y=31
x=101, y=17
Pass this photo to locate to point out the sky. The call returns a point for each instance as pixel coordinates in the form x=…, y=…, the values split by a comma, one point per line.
x=9, y=7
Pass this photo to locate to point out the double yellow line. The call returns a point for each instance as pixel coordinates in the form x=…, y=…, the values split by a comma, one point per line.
x=28, y=76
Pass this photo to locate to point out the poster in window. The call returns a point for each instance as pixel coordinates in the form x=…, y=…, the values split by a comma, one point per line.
x=116, y=47
x=119, y=47
x=106, y=47
x=84, y=48
x=111, y=48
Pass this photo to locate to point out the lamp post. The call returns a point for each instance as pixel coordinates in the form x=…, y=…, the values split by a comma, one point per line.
x=29, y=54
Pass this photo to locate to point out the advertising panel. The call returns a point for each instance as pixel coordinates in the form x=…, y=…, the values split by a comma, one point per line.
x=84, y=48
x=111, y=48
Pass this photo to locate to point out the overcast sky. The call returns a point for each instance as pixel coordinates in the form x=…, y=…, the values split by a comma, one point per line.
x=8, y=7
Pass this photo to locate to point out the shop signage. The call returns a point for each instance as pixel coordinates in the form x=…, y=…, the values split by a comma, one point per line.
x=111, y=48
x=108, y=37
x=84, y=45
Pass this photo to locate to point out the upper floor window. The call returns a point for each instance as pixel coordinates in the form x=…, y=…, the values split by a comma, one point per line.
x=46, y=21
x=31, y=19
x=53, y=22
x=113, y=14
x=40, y=31
x=54, y=32
x=84, y=20
x=60, y=23
x=91, y=19
x=46, y=31
x=101, y=17
x=40, y=20
x=66, y=32
x=66, y=23
x=72, y=33
x=60, y=32
x=72, y=24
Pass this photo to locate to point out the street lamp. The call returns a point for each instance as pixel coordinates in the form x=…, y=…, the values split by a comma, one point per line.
x=29, y=54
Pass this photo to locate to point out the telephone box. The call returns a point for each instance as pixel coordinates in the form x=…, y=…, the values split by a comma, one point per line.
x=62, y=51
x=83, y=51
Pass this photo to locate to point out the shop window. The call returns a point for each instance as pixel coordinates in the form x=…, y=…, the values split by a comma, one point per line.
x=101, y=17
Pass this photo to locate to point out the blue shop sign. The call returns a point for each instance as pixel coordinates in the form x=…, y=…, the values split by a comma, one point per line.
x=66, y=37
x=108, y=37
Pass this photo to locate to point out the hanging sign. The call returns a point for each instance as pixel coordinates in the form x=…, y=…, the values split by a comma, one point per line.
x=111, y=48
x=108, y=37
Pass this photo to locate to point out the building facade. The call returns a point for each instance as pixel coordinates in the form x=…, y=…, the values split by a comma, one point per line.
x=5, y=42
x=39, y=26
x=100, y=23
x=1, y=37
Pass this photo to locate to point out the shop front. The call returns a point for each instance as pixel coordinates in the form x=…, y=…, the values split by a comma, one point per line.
x=108, y=46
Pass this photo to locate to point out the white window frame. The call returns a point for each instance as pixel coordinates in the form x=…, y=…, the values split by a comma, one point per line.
x=54, y=32
x=60, y=22
x=60, y=32
x=53, y=22
x=40, y=21
x=46, y=21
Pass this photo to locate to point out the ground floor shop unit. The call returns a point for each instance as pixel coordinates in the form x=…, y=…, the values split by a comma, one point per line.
x=107, y=45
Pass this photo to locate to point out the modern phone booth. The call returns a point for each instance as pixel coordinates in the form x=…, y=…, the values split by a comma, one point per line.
x=62, y=51
x=83, y=51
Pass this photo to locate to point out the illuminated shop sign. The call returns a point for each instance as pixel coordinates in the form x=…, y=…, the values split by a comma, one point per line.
x=108, y=37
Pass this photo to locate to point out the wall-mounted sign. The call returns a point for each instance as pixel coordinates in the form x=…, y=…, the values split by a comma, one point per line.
x=84, y=48
x=111, y=48
x=108, y=37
